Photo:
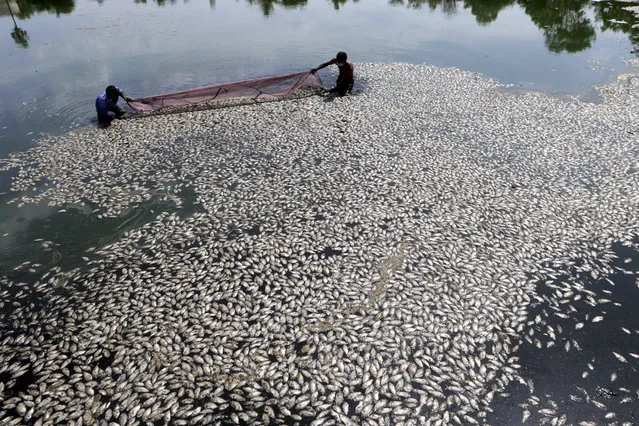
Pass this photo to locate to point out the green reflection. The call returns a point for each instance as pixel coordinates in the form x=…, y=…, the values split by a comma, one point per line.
x=158, y=2
x=484, y=11
x=564, y=23
x=449, y=7
x=338, y=3
x=18, y=35
x=30, y=7
x=615, y=17
x=268, y=6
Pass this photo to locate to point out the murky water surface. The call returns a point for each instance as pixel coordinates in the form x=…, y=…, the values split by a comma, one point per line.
x=60, y=54
x=57, y=55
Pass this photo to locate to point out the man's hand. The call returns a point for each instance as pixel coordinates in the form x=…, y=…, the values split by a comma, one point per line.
x=313, y=70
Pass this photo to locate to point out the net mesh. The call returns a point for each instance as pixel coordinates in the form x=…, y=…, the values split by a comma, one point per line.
x=267, y=88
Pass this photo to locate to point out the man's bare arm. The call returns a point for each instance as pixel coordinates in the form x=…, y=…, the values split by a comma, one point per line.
x=325, y=64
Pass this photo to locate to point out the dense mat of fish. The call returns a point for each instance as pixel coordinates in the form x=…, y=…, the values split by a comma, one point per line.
x=370, y=260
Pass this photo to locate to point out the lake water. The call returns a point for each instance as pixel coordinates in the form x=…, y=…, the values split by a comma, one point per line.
x=59, y=54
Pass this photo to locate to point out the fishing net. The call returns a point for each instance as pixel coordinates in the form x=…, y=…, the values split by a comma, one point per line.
x=259, y=89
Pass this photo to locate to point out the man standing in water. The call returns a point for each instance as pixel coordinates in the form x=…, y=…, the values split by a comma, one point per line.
x=345, y=78
x=106, y=102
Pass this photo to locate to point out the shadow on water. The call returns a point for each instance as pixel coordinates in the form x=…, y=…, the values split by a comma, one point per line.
x=585, y=369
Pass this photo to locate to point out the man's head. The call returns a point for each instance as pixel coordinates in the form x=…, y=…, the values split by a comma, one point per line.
x=341, y=57
x=112, y=92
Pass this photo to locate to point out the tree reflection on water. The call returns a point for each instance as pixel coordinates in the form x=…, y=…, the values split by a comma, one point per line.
x=484, y=11
x=566, y=24
x=268, y=6
x=614, y=17
x=30, y=7
x=563, y=22
x=18, y=35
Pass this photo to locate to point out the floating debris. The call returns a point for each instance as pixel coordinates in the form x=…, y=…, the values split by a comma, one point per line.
x=371, y=259
x=620, y=357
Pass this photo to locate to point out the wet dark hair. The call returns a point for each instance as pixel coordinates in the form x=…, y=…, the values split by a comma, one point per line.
x=112, y=92
x=341, y=56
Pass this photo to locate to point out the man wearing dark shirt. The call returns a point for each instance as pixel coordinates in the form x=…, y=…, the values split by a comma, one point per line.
x=345, y=78
x=106, y=102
